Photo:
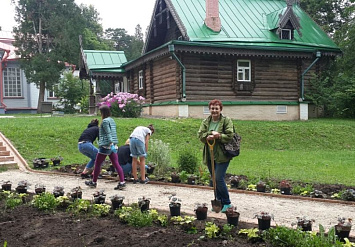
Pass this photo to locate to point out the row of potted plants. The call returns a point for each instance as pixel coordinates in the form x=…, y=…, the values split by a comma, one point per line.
x=44, y=162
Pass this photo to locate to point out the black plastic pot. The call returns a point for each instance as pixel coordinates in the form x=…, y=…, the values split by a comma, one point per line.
x=150, y=169
x=234, y=183
x=144, y=206
x=116, y=204
x=264, y=224
x=99, y=199
x=56, y=162
x=305, y=227
x=21, y=189
x=260, y=188
x=201, y=213
x=285, y=191
x=58, y=193
x=76, y=195
x=175, y=178
x=6, y=187
x=342, y=233
x=191, y=180
x=233, y=219
x=175, y=210
x=40, y=190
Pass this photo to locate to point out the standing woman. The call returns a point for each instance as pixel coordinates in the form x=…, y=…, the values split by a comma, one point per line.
x=139, y=140
x=107, y=147
x=219, y=128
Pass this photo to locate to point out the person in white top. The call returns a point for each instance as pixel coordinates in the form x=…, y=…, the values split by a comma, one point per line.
x=139, y=140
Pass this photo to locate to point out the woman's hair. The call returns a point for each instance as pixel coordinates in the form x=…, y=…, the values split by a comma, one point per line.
x=151, y=127
x=105, y=111
x=94, y=122
x=127, y=142
x=215, y=102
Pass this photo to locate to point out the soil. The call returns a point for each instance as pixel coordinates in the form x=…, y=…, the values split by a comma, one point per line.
x=27, y=226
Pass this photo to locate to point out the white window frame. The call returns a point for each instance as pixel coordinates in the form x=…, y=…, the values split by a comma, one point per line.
x=51, y=93
x=289, y=33
x=140, y=79
x=118, y=87
x=244, y=70
x=206, y=110
x=281, y=109
x=12, y=82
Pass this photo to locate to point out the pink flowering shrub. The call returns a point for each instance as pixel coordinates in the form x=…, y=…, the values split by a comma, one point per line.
x=124, y=104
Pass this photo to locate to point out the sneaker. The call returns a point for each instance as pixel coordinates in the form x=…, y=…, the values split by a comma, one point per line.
x=145, y=181
x=120, y=186
x=90, y=183
x=135, y=181
x=85, y=175
x=225, y=207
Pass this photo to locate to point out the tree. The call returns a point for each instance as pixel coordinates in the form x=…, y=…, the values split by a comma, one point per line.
x=137, y=43
x=46, y=37
x=71, y=91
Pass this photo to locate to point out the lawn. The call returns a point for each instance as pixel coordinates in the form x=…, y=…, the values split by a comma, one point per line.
x=321, y=150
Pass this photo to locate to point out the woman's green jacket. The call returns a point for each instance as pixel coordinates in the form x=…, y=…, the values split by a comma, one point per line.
x=225, y=127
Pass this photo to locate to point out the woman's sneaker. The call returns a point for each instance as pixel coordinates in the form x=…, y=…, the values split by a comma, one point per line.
x=145, y=181
x=120, y=186
x=85, y=175
x=90, y=183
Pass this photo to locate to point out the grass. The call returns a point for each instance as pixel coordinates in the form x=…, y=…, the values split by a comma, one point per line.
x=319, y=151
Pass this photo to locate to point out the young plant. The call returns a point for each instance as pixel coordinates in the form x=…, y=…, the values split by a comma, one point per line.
x=285, y=184
x=251, y=233
x=45, y=201
x=13, y=200
x=79, y=206
x=304, y=223
x=211, y=230
x=100, y=210
x=264, y=216
x=343, y=224
x=174, y=201
x=159, y=154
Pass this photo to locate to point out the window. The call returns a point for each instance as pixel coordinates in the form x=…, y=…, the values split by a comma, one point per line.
x=117, y=87
x=51, y=93
x=286, y=34
x=281, y=109
x=12, y=82
x=243, y=70
x=140, y=80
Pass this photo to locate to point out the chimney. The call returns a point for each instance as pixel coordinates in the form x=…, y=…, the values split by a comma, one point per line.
x=212, y=20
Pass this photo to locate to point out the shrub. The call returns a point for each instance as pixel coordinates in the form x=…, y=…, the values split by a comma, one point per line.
x=45, y=201
x=159, y=154
x=124, y=104
x=187, y=160
x=13, y=200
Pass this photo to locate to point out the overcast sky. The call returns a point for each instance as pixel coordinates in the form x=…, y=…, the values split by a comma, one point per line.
x=125, y=14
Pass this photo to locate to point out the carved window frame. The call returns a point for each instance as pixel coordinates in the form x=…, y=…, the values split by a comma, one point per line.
x=140, y=79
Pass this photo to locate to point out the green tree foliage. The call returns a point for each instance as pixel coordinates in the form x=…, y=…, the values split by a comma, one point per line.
x=47, y=36
x=334, y=90
x=122, y=41
x=71, y=91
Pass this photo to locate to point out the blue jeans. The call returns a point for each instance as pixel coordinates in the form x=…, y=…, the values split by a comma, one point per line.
x=221, y=187
x=127, y=169
x=89, y=150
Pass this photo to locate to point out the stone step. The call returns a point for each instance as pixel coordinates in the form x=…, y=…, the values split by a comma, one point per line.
x=8, y=164
x=1, y=144
x=6, y=158
x=2, y=148
x=4, y=153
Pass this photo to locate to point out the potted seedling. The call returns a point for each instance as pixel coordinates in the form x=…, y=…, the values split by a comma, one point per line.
x=143, y=203
x=56, y=160
x=201, y=211
x=264, y=220
x=343, y=228
x=175, y=177
x=22, y=186
x=117, y=201
x=191, y=179
x=40, y=188
x=99, y=197
x=234, y=181
x=285, y=187
x=261, y=186
x=232, y=215
x=6, y=185
x=58, y=191
x=40, y=163
x=63, y=202
x=150, y=168
x=76, y=193
x=174, y=205
x=304, y=224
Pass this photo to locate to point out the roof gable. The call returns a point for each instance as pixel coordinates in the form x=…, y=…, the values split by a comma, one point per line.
x=104, y=59
x=246, y=22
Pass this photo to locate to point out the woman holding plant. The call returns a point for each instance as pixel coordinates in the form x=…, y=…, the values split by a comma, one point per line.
x=139, y=140
x=107, y=147
x=219, y=128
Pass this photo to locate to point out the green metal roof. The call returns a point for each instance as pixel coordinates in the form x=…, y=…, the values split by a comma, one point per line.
x=105, y=61
x=249, y=21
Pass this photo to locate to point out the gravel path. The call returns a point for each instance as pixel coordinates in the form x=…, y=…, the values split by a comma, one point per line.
x=285, y=209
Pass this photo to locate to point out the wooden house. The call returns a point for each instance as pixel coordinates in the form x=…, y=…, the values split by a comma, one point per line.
x=257, y=56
